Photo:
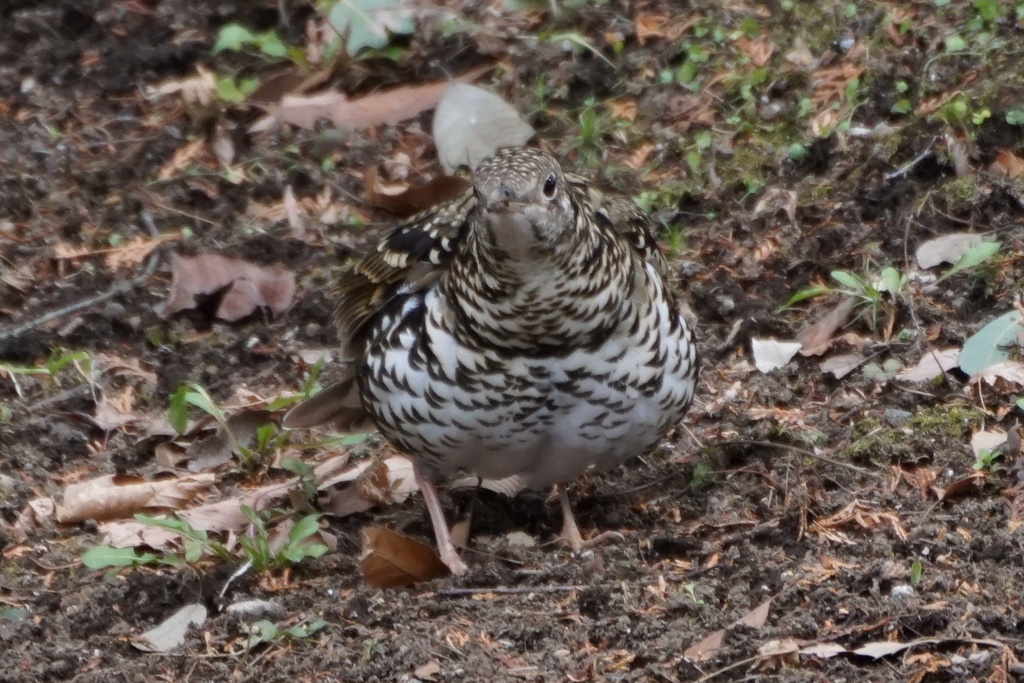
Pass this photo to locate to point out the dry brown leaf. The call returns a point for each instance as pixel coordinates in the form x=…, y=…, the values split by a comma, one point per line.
x=413, y=200
x=705, y=649
x=373, y=483
x=759, y=51
x=1007, y=165
x=622, y=109
x=113, y=496
x=249, y=286
x=171, y=632
x=971, y=484
x=389, y=559
x=800, y=54
x=818, y=337
x=639, y=156
x=662, y=25
x=428, y=671
x=777, y=199
x=114, y=410
x=181, y=158
x=387, y=107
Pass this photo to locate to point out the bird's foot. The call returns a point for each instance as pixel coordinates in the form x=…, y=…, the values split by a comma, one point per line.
x=571, y=535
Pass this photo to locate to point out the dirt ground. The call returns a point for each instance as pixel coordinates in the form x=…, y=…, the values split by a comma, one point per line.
x=792, y=512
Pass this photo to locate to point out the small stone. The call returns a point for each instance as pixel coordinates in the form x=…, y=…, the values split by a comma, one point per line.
x=901, y=590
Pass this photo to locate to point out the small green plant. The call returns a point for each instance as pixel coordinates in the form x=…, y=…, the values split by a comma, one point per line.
x=235, y=37
x=59, y=359
x=915, y=573
x=691, y=592
x=701, y=476
x=369, y=24
x=254, y=546
x=988, y=460
x=264, y=631
x=870, y=292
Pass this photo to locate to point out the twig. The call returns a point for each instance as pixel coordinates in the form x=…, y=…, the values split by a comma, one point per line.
x=121, y=287
x=909, y=166
x=801, y=451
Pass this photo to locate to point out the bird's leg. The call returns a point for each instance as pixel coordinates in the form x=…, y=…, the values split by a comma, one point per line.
x=445, y=547
x=571, y=535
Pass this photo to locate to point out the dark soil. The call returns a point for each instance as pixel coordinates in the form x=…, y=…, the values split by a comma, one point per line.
x=818, y=493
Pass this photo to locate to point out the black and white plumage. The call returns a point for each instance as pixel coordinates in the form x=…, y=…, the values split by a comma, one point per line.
x=524, y=329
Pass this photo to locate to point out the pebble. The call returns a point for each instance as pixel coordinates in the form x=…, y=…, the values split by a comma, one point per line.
x=901, y=590
x=897, y=417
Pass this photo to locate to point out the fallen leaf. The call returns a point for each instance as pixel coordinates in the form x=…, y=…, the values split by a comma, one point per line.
x=181, y=158
x=415, y=199
x=428, y=671
x=971, y=484
x=759, y=51
x=817, y=338
x=170, y=633
x=932, y=364
x=842, y=365
x=771, y=354
x=248, y=286
x=1007, y=165
x=389, y=559
x=369, y=23
x=800, y=54
x=989, y=441
x=112, y=496
x=387, y=107
x=823, y=650
x=371, y=483
x=758, y=616
x=198, y=89
x=705, y=649
x=1009, y=371
x=471, y=124
x=775, y=199
x=945, y=249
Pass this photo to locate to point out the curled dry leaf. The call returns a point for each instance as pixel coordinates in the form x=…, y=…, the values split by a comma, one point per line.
x=707, y=648
x=415, y=199
x=248, y=286
x=390, y=559
x=113, y=496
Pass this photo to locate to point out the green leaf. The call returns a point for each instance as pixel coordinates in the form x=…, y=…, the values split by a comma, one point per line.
x=848, y=280
x=270, y=44
x=369, y=23
x=805, y=293
x=304, y=528
x=891, y=280
x=233, y=37
x=974, y=256
x=986, y=347
x=103, y=556
x=955, y=43
x=177, y=413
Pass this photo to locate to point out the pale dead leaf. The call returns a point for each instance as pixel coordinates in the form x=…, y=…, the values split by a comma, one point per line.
x=386, y=107
x=370, y=483
x=1010, y=371
x=842, y=365
x=945, y=249
x=198, y=89
x=428, y=671
x=248, y=285
x=471, y=124
x=170, y=633
x=932, y=364
x=112, y=496
x=132, y=534
x=389, y=559
x=36, y=514
x=823, y=650
x=776, y=648
x=800, y=54
x=114, y=410
x=987, y=441
x=758, y=616
x=622, y=109
x=639, y=156
x=705, y=649
x=294, y=212
x=775, y=199
x=771, y=354
x=662, y=25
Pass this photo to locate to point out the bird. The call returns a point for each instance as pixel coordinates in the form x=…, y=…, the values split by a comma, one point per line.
x=524, y=330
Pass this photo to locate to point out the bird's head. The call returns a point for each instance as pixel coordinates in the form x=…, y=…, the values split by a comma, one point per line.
x=524, y=199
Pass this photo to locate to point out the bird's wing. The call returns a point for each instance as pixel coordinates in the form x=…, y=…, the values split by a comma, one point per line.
x=628, y=219
x=408, y=259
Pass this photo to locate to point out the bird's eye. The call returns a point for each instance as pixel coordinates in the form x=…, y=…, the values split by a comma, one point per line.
x=550, y=183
